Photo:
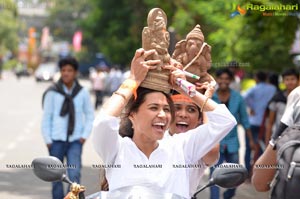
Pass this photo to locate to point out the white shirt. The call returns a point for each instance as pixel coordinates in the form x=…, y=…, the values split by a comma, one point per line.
x=170, y=158
x=196, y=171
x=293, y=101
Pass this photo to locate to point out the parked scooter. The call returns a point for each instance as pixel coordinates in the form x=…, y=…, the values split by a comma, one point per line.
x=50, y=169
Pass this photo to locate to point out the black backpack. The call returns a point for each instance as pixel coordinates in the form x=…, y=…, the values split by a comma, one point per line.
x=286, y=183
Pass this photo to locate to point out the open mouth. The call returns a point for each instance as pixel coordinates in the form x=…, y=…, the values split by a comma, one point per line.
x=182, y=126
x=159, y=126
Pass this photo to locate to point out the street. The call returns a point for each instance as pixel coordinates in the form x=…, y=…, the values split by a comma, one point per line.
x=21, y=142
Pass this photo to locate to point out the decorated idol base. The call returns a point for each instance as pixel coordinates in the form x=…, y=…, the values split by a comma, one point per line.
x=157, y=81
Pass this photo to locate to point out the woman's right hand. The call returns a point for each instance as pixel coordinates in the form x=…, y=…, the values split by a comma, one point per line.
x=208, y=87
x=140, y=67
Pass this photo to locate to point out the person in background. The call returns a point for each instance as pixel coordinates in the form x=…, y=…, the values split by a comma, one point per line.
x=234, y=68
x=229, y=146
x=273, y=79
x=114, y=79
x=67, y=121
x=290, y=79
x=257, y=99
x=98, y=82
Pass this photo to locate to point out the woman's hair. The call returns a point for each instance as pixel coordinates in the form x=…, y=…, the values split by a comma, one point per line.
x=133, y=106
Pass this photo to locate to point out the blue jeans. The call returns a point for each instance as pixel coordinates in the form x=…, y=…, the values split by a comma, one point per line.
x=215, y=190
x=248, y=159
x=72, y=151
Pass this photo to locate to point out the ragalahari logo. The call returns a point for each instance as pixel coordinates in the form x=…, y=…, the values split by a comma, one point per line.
x=239, y=11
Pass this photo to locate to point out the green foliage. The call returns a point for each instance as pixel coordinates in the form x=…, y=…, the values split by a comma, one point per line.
x=114, y=27
x=8, y=27
x=65, y=16
x=265, y=41
x=253, y=39
x=10, y=64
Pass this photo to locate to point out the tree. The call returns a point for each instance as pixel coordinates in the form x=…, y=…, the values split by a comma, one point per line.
x=8, y=27
x=253, y=39
x=64, y=17
x=117, y=34
x=265, y=42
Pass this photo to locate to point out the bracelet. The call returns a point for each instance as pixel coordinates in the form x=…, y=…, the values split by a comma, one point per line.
x=130, y=84
x=120, y=94
x=204, y=103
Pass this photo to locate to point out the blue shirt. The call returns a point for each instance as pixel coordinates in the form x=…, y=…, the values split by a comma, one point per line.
x=257, y=99
x=54, y=126
x=237, y=107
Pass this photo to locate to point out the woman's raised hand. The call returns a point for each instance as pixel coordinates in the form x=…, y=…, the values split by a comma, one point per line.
x=140, y=67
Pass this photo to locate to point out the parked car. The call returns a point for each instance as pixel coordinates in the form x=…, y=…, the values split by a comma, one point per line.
x=46, y=71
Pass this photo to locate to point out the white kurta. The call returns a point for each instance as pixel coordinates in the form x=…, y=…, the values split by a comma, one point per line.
x=196, y=170
x=293, y=101
x=166, y=167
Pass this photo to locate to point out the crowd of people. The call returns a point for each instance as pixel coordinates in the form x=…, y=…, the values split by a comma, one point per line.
x=143, y=126
x=105, y=81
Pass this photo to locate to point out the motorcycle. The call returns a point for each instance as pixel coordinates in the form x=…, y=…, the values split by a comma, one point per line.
x=51, y=169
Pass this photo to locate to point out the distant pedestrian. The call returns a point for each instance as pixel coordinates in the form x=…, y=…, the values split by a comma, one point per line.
x=98, y=83
x=257, y=99
x=67, y=121
x=234, y=67
x=114, y=80
x=276, y=107
x=273, y=79
x=229, y=146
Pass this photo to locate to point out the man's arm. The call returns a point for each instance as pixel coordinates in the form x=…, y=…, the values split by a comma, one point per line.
x=270, y=123
x=262, y=173
x=244, y=119
x=89, y=116
x=47, y=118
x=248, y=97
